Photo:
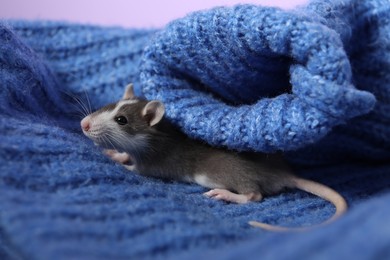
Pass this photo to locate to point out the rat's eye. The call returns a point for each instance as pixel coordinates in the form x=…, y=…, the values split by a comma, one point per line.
x=121, y=120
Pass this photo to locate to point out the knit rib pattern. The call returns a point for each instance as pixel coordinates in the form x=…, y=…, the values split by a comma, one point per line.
x=313, y=81
x=264, y=79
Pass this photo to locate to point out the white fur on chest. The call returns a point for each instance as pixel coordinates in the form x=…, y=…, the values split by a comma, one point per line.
x=205, y=181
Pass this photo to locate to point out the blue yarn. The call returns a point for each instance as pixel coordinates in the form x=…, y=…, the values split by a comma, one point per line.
x=242, y=54
x=313, y=82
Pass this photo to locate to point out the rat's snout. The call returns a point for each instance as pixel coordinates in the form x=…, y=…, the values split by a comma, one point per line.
x=86, y=124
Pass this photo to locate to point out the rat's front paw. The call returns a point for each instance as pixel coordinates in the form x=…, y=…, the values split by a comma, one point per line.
x=122, y=158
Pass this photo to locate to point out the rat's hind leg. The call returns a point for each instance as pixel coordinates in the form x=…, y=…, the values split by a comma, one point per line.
x=226, y=195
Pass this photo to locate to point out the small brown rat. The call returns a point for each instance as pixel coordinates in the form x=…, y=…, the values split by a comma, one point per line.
x=135, y=133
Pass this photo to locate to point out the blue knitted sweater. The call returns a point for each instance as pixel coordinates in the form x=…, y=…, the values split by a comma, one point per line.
x=312, y=82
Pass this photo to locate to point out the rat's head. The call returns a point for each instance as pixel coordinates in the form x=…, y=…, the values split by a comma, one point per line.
x=125, y=125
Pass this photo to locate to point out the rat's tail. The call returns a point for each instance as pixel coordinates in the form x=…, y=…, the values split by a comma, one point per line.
x=317, y=189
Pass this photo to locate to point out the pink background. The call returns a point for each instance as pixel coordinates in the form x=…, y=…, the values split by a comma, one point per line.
x=127, y=13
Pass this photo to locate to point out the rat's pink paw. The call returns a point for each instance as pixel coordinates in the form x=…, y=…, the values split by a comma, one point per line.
x=122, y=158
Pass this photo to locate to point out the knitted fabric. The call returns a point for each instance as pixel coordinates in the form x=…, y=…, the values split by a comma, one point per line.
x=246, y=53
x=313, y=81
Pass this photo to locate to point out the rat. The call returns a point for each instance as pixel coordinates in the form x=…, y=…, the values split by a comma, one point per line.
x=135, y=133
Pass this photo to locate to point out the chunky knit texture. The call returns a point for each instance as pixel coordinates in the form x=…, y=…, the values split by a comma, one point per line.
x=313, y=82
x=246, y=53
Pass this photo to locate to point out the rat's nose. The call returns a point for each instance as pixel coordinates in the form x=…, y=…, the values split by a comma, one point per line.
x=85, y=124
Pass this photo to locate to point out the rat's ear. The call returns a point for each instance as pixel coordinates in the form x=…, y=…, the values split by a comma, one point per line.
x=129, y=92
x=153, y=112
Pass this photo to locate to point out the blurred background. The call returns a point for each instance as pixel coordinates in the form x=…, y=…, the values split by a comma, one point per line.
x=125, y=13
